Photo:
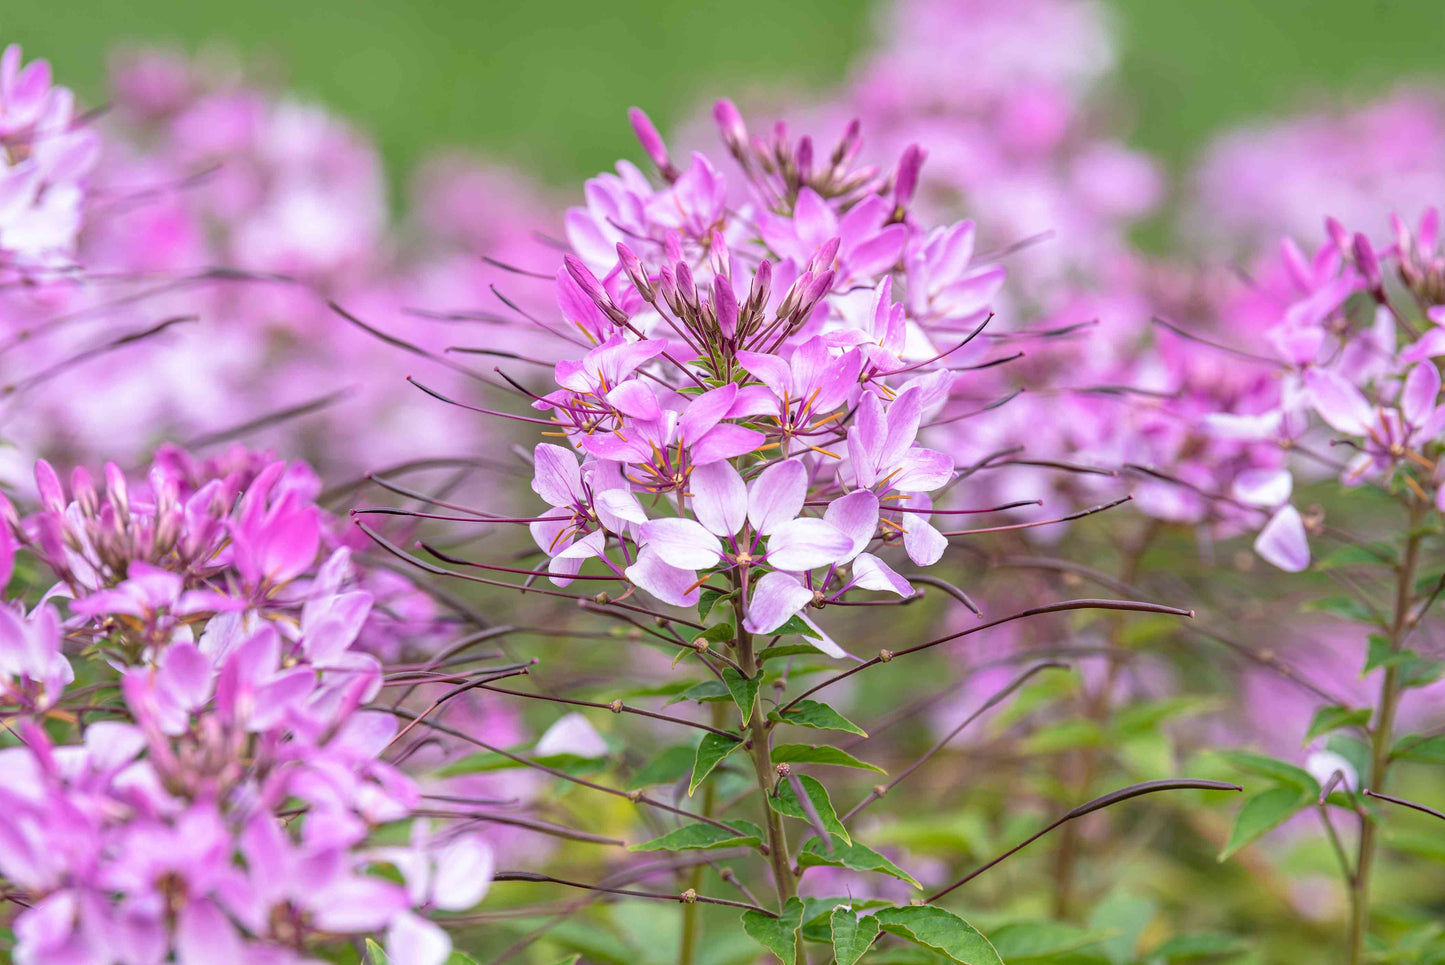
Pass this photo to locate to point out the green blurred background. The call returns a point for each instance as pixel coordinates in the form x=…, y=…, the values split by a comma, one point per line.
x=545, y=84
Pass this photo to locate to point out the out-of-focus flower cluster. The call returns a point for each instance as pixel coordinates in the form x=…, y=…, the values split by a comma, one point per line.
x=221, y=794
x=199, y=256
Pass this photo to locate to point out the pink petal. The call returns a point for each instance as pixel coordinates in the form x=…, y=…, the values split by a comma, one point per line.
x=1338, y=402
x=571, y=734
x=463, y=873
x=924, y=544
x=684, y=543
x=555, y=476
x=805, y=543
x=668, y=583
x=856, y=516
x=726, y=441
x=1422, y=390
x=412, y=940
x=871, y=573
x=706, y=411
x=1283, y=541
x=777, y=495
x=774, y=598
x=1263, y=487
x=719, y=498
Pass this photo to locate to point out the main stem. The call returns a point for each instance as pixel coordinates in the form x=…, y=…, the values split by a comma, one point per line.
x=1382, y=737
x=691, y=912
x=783, y=882
x=1096, y=708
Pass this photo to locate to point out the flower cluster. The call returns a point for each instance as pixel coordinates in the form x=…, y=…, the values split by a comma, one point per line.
x=46, y=157
x=221, y=798
x=754, y=387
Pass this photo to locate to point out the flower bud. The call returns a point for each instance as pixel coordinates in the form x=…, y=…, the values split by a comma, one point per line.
x=1368, y=264
x=47, y=483
x=730, y=124
x=725, y=305
x=762, y=286
x=803, y=158
x=635, y=272
x=905, y=182
x=651, y=142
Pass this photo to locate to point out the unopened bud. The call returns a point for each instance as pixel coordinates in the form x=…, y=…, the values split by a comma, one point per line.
x=849, y=144
x=725, y=305
x=730, y=124
x=651, y=142
x=826, y=254
x=635, y=273
x=615, y=706
x=905, y=183
x=602, y=599
x=1369, y=265
x=688, y=897
x=885, y=655
x=784, y=769
x=762, y=286
x=803, y=158
x=47, y=484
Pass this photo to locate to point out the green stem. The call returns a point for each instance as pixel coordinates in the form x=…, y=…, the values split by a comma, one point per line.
x=691, y=913
x=1382, y=738
x=784, y=883
x=1096, y=708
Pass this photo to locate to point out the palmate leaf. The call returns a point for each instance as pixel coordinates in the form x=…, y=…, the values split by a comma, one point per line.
x=851, y=935
x=817, y=716
x=778, y=935
x=710, y=753
x=942, y=931
x=854, y=856
x=786, y=802
x=705, y=837
x=814, y=754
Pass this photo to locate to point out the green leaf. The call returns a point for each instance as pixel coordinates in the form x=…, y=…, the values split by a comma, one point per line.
x=1148, y=715
x=854, y=856
x=795, y=625
x=718, y=633
x=1424, y=750
x=1264, y=812
x=1342, y=606
x=670, y=766
x=852, y=935
x=814, y=754
x=461, y=958
x=704, y=837
x=778, y=935
x=1214, y=946
x=786, y=802
x=818, y=716
x=708, y=690
x=1368, y=555
x=1382, y=653
x=1334, y=717
x=789, y=650
x=708, y=598
x=710, y=753
x=1042, y=939
x=940, y=930
x=376, y=953
x=1065, y=735
x=484, y=762
x=744, y=691
x=1281, y=772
